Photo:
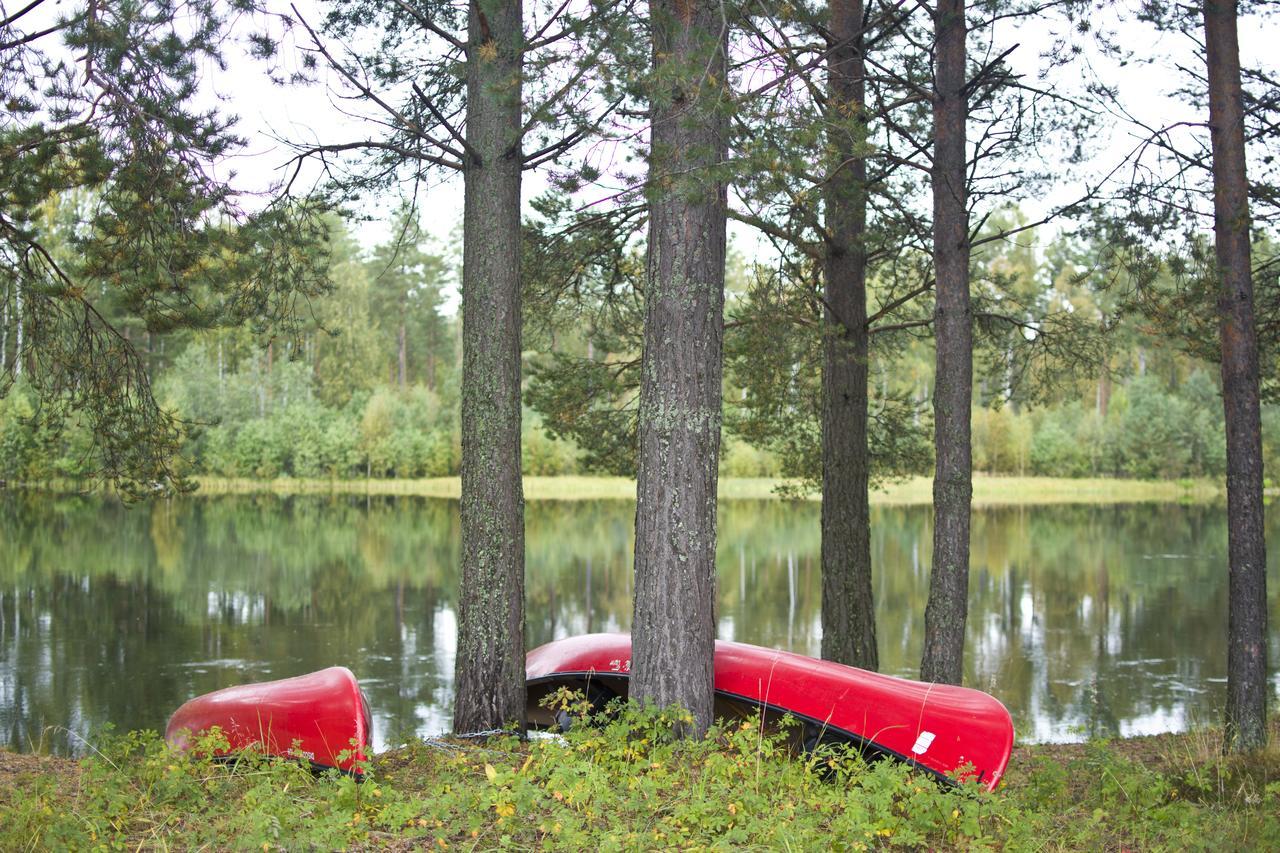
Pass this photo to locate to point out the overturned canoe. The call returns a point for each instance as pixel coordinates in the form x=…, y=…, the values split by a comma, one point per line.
x=951, y=732
x=317, y=717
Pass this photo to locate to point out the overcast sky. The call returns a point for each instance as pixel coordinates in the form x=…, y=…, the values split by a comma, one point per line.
x=269, y=112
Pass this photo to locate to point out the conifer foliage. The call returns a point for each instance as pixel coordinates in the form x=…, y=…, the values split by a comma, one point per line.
x=100, y=107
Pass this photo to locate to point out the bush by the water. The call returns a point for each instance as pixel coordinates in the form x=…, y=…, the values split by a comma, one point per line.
x=624, y=785
x=275, y=424
x=1148, y=432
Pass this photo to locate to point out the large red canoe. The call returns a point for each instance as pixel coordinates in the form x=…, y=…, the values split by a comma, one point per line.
x=948, y=731
x=316, y=717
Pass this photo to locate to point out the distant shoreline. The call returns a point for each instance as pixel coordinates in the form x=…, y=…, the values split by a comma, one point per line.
x=987, y=490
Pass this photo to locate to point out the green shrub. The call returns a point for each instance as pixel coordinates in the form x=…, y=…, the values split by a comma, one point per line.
x=340, y=446
x=1153, y=440
x=261, y=449
x=18, y=448
x=1056, y=451
x=739, y=459
x=1002, y=441
x=623, y=782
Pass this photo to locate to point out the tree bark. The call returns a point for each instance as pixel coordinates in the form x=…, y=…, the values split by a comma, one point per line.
x=680, y=407
x=947, y=609
x=848, y=607
x=1246, y=717
x=489, y=677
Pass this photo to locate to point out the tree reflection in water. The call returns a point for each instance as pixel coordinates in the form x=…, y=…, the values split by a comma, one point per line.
x=1084, y=620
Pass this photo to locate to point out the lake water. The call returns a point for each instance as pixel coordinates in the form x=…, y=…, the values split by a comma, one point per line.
x=1084, y=620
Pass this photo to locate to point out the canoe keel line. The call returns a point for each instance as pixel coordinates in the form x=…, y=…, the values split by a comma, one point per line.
x=322, y=717
x=949, y=732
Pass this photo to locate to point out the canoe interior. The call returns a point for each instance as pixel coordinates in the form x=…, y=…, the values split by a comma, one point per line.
x=729, y=708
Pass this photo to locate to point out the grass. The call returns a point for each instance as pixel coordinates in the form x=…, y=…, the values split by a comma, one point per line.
x=987, y=490
x=626, y=786
x=997, y=490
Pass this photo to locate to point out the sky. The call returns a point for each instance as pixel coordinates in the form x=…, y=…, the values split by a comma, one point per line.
x=270, y=114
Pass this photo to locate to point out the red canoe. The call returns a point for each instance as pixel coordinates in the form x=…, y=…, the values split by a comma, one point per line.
x=316, y=717
x=948, y=731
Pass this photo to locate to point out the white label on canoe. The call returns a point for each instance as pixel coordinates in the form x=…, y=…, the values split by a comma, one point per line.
x=923, y=742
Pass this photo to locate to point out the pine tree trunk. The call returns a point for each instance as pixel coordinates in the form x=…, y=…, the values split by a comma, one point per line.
x=489, y=676
x=1246, y=717
x=673, y=632
x=947, y=609
x=848, y=608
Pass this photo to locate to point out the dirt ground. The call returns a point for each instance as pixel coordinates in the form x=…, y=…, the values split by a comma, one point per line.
x=17, y=766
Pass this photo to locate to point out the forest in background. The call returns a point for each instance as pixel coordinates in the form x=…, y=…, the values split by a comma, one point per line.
x=368, y=387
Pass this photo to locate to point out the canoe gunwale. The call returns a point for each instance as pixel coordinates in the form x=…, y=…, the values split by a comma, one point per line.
x=316, y=767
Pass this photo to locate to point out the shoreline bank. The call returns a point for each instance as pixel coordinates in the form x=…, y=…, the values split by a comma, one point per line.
x=916, y=491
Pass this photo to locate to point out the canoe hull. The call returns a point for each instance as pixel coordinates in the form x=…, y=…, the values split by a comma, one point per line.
x=952, y=732
x=317, y=717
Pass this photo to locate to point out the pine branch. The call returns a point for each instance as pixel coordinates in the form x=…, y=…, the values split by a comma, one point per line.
x=448, y=126
x=405, y=122
x=429, y=25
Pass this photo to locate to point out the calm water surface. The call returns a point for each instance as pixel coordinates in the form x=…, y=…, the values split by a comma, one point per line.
x=1084, y=620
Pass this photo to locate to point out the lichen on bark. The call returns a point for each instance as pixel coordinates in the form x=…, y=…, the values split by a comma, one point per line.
x=680, y=397
x=489, y=669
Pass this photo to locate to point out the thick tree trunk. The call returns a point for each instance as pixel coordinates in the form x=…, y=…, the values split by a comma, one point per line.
x=848, y=608
x=673, y=632
x=947, y=609
x=489, y=676
x=1246, y=718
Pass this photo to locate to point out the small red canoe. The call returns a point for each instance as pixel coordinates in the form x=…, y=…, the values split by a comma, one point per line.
x=947, y=731
x=316, y=717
